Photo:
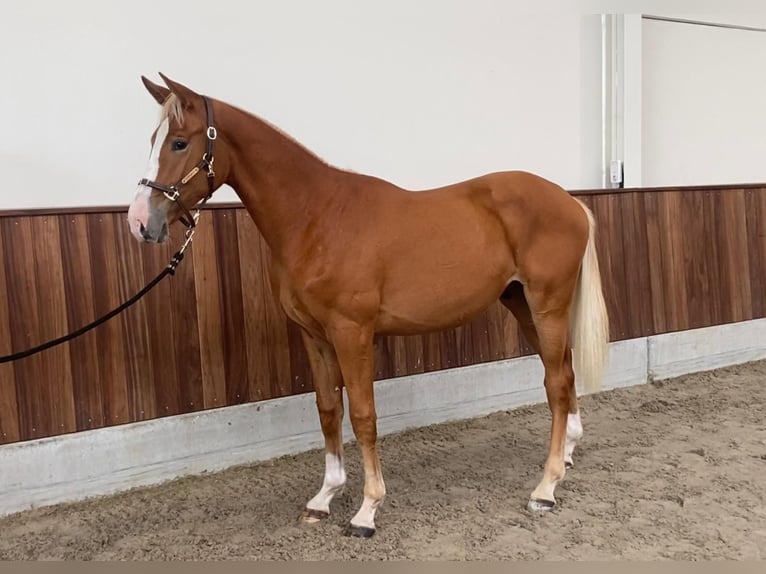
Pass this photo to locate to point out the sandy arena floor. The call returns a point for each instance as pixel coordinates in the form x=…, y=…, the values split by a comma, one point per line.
x=671, y=470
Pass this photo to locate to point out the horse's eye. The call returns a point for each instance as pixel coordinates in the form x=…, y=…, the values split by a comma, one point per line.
x=179, y=145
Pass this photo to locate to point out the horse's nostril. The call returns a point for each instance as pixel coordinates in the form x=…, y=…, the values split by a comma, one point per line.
x=144, y=233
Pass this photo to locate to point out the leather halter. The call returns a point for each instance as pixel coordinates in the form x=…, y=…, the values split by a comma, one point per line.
x=173, y=192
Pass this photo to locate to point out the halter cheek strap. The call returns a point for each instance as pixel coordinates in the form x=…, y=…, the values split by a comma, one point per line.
x=173, y=192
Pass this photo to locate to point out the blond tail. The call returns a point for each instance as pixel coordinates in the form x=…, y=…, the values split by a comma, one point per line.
x=590, y=323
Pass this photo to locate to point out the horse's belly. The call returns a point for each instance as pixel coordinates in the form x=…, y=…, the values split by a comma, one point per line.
x=432, y=299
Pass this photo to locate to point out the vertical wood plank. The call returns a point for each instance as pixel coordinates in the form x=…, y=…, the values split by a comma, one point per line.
x=209, y=314
x=233, y=323
x=713, y=248
x=80, y=309
x=254, y=286
x=448, y=350
x=735, y=259
x=479, y=329
x=135, y=323
x=32, y=390
x=464, y=344
x=277, y=340
x=52, y=305
x=432, y=358
x=383, y=364
x=697, y=277
x=654, y=251
x=9, y=408
x=756, y=241
x=638, y=287
x=398, y=352
x=185, y=330
x=110, y=339
x=495, y=331
x=612, y=263
x=161, y=339
x=414, y=353
x=674, y=269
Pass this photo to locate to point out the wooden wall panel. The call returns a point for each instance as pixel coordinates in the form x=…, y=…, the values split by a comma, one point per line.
x=432, y=354
x=710, y=223
x=32, y=390
x=637, y=266
x=756, y=246
x=480, y=339
x=655, y=249
x=80, y=309
x=496, y=332
x=9, y=405
x=214, y=335
x=186, y=340
x=56, y=369
x=448, y=349
x=208, y=300
x=413, y=346
x=141, y=366
x=383, y=364
x=734, y=258
x=254, y=283
x=232, y=312
x=160, y=342
x=277, y=341
x=696, y=264
x=113, y=355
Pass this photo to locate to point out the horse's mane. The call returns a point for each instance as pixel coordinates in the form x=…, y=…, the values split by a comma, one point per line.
x=172, y=109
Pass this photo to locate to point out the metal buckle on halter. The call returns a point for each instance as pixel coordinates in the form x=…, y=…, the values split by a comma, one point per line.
x=209, y=163
x=212, y=133
x=174, y=196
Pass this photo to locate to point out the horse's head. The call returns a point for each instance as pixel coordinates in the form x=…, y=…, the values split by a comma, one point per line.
x=180, y=171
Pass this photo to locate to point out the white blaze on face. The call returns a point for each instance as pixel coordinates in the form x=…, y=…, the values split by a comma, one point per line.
x=138, y=213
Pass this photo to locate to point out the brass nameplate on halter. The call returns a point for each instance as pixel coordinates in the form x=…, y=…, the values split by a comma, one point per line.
x=190, y=175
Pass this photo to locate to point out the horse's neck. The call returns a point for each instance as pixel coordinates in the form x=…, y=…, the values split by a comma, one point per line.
x=282, y=184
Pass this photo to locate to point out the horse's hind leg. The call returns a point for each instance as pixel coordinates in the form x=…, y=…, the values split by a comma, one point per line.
x=328, y=383
x=515, y=300
x=548, y=333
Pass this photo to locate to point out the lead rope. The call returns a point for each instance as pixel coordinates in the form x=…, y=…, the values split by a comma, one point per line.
x=169, y=269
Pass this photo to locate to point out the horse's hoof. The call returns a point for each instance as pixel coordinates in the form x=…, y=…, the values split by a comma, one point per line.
x=540, y=505
x=311, y=516
x=360, y=531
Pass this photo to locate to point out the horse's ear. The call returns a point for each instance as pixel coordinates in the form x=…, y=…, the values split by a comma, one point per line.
x=159, y=93
x=184, y=94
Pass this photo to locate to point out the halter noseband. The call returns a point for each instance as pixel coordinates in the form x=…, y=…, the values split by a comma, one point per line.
x=173, y=192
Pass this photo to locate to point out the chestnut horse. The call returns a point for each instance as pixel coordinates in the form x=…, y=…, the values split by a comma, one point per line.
x=354, y=255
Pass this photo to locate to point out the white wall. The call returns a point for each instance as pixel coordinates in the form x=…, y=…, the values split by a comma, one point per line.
x=703, y=116
x=421, y=93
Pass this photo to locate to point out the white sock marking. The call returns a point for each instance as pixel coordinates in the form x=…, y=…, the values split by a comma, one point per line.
x=334, y=479
x=574, y=434
x=366, y=515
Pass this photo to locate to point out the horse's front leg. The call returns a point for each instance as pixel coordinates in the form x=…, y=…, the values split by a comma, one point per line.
x=328, y=384
x=353, y=345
